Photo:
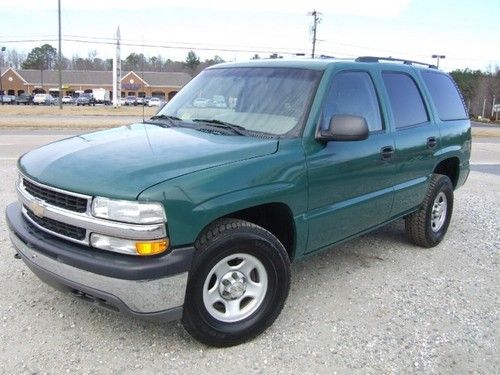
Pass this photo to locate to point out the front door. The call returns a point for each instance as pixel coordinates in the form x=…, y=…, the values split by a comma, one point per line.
x=350, y=182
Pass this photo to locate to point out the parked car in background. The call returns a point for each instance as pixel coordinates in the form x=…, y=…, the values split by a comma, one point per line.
x=147, y=99
x=68, y=99
x=130, y=100
x=140, y=100
x=155, y=102
x=45, y=99
x=25, y=99
x=123, y=101
x=5, y=99
x=202, y=102
x=85, y=99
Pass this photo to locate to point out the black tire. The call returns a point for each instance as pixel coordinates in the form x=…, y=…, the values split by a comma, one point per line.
x=420, y=227
x=219, y=241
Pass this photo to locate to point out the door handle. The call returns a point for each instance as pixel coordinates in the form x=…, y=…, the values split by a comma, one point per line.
x=387, y=152
x=431, y=142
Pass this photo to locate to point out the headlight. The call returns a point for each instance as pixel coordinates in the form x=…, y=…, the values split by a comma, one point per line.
x=128, y=211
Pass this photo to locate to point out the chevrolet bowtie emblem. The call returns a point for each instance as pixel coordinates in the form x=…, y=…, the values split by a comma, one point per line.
x=37, y=207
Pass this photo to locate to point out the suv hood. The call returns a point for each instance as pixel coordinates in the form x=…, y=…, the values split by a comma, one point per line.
x=122, y=162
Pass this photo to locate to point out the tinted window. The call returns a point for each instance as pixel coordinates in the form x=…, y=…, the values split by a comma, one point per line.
x=352, y=93
x=445, y=96
x=406, y=102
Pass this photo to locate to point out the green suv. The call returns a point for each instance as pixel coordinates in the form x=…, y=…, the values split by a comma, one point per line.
x=197, y=212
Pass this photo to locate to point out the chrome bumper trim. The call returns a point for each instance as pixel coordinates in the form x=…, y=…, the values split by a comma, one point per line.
x=140, y=296
x=86, y=221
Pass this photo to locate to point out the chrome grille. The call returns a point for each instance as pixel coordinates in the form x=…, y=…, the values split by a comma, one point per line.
x=62, y=229
x=56, y=198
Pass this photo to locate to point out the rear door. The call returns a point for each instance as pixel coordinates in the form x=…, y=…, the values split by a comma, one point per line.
x=350, y=182
x=416, y=138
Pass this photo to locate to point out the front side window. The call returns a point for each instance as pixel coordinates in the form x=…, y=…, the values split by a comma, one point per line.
x=353, y=93
x=269, y=100
x=407, y=105
x=445, y=95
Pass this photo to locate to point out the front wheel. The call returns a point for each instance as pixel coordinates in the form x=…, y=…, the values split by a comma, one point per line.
x=427, y=226
x=237, y=285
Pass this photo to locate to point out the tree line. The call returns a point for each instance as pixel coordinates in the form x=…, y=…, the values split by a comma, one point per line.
x=480, y=89
x=45, y=58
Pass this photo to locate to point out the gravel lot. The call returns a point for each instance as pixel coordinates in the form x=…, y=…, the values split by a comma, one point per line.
x=372, y=305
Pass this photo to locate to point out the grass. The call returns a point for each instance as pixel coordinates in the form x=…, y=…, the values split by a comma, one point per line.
x=98, y=110
x=20, y=116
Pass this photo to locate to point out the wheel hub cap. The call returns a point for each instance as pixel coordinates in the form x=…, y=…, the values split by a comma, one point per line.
x=235, y=287
x=232, y=285
x=438, y=213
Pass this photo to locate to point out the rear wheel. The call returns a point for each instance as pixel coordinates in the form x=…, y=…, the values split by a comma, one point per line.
x=237, y=285
x=427, y=226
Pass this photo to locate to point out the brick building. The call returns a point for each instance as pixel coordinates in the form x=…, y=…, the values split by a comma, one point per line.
x=159, y=84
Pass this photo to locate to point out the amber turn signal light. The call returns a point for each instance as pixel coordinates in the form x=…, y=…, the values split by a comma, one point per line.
x=151, y=247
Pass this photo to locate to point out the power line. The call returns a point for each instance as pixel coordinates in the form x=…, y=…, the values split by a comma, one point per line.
x=248, y=49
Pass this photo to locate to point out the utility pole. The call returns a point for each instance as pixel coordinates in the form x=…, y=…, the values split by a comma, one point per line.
x=493, y=105
x=117, y=72
x=317, y=20
x=438, y=57
x=1, y=63
x=59, y=68
x=484, y=107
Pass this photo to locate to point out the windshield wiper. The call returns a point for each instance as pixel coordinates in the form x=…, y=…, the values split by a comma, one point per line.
x=170, y=120
x=237, y=129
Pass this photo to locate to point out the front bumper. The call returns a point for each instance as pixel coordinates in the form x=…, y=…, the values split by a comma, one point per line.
x=150, y=288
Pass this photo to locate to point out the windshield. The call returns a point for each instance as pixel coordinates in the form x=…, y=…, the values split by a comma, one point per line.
x=268, y=100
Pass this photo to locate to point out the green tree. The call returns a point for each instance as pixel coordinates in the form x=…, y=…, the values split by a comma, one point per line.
x=192, y=62
x=134, y=61
x=43, y=57
x=467, y=81
x=215, y=60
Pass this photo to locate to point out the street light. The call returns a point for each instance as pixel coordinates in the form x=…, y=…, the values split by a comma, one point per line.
x=438, y=57
x=1, y=63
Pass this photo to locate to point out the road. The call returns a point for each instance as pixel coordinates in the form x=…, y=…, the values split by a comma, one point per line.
x=13, y=143
x=372, y=305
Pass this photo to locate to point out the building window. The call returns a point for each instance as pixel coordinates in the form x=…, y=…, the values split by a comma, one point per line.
x=142, y=94
x=158, y=94
x=131, y=93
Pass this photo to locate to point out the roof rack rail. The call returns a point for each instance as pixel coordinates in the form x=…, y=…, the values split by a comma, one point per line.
x=404, y=61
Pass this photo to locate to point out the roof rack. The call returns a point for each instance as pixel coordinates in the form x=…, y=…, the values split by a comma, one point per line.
x=404, y=61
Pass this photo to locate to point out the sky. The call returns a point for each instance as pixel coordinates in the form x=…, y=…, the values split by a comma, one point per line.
x=466, y=32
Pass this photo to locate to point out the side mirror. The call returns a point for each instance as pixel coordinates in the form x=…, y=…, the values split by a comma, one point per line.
x=345, y=128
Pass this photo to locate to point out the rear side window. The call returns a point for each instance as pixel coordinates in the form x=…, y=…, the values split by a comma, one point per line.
x=445, y=95
x=352, y=93
x=406, y=102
